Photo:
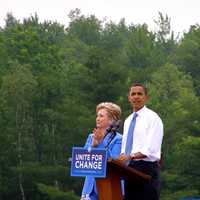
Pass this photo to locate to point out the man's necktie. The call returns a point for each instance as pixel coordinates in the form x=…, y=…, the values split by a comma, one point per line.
x=129, y=141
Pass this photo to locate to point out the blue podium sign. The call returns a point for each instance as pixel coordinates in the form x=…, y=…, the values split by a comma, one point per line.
x=88, y=163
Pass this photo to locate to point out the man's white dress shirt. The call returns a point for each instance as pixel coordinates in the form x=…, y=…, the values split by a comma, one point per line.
x=147, y=136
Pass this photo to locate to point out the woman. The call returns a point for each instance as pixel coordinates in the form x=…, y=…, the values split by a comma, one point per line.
x=107, y=113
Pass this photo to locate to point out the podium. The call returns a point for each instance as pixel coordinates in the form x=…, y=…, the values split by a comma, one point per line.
x=109, y=188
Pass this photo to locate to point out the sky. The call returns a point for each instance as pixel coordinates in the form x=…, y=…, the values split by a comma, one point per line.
x=183, y=13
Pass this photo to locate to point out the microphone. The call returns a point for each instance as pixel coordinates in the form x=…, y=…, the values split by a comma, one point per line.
x=113, y=127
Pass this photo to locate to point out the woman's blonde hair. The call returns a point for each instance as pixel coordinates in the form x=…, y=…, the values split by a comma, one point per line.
x=113, y=109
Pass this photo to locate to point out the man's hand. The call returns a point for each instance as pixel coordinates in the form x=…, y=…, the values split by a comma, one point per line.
x=136, y=156
x=122, y=157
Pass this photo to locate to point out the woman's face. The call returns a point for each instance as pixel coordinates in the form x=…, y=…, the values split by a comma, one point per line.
x=102, y=119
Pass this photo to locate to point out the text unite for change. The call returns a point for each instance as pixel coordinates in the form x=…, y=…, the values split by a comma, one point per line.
x=89, y=161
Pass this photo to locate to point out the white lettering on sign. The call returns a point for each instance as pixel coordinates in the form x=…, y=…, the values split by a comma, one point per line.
x=88, y=161
x=88, y=165
x=82, y=156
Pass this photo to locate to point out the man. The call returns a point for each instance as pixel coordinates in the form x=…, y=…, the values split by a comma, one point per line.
x=146, y=130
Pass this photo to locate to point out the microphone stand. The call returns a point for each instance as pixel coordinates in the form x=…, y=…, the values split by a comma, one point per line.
x=113, y=130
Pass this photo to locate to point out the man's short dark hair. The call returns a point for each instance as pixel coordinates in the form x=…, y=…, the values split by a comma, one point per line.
x=141, y=85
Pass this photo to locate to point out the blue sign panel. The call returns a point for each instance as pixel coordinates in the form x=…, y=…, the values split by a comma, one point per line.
x=92, y=163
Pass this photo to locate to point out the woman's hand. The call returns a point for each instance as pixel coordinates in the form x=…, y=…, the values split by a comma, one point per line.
x=97, y=136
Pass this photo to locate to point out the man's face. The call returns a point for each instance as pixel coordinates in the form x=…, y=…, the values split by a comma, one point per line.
x=137, y=97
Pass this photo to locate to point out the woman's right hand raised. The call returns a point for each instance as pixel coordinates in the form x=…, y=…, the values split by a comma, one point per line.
x=97, y=136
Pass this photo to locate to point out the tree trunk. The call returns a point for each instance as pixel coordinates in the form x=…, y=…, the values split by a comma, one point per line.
x=53, y=128
x=19, y=147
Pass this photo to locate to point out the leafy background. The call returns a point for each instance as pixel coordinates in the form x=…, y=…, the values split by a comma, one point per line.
x=52, y=77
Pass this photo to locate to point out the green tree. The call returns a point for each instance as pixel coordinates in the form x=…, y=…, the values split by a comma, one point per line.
x=165, y=39
x=143, y=53
x=187, y=55
x=17, y=90
x=34, y=43
x=182, y=178
x=171, y=95
x=55, y=194
x=87, y=29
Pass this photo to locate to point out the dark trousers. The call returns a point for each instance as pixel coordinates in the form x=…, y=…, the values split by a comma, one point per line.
x=149, y=190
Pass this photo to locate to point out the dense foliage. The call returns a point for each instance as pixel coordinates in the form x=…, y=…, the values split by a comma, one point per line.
x=51, y=79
